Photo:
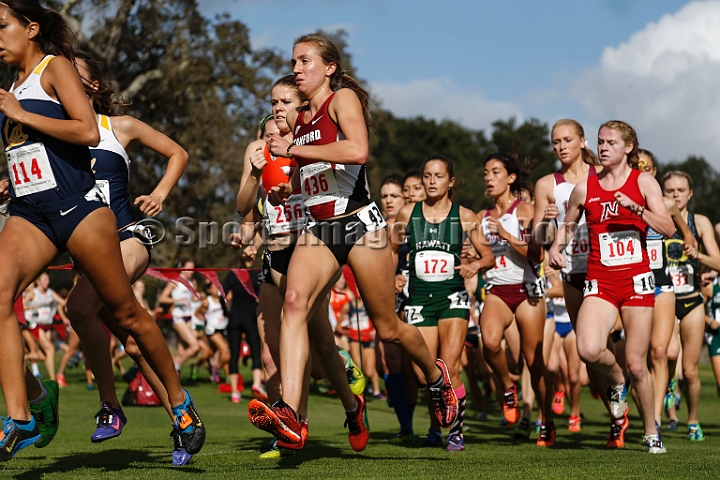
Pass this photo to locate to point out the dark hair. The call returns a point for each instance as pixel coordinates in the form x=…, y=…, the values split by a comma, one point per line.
x=412, y=174
x=587, y=155
x=330, y=54
x=628, y=135
x=512, y=166
x=55, y=36
x=394, y=179
x=448, y=166
x=105, y=100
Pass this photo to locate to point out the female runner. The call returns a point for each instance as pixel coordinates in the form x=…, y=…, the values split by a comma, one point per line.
x=110, y=165
x=619, y=204
x=514, y=288
x=282, y=226
x=552, y=193
x=684, y=265
x=331, y=147
x=664, y=324
x=47, y=127
x=439, y=304
x=41, y=306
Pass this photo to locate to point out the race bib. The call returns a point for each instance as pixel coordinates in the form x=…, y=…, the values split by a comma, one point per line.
x=655, y=253
x=682, y=278
x=283, y=219
x=502, y=260
x=460, y=300
x=318, y=184
x=535, y=289
x=579, y=246
x=104, y=186
x=30, y=170
x=590, y=288
x=413, y=315
x=372, y=218
x=620, y=248
x=434, y=266
x=644, y=283
x=44, y=315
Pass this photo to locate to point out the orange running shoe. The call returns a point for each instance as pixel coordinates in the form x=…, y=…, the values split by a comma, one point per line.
x=575, y=424
x=275, y=420
x=357, y=431
x=618, y=427
x=259, y=393
x=511, y=412
x=559, y=402
x=445, y=402
x=62, y=383
x=546, y=437
x=304, y=431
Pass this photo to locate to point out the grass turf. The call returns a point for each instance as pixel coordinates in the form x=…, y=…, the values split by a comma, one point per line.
x=232, y=446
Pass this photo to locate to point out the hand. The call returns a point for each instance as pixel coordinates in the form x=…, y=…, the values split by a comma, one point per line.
x=490, y=225
x=4, y=189
x=468, y=270
x=707, y=277
x=150, y=204
x=279, y=194
x=10, y=106
x=249, y=253
x=551, y=211
x=690, y=246
x=258, y=162
x=714, y=324
x=400, y=282
x=278, y=145
x=556, y=258
x=625, y=201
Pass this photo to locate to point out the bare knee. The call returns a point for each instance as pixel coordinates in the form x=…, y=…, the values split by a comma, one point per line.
x=690, y=373
x=492, y=346
x=659, y=354
x=389, y=332
x=589, y=353
x=636, y=368
x=295, y=304
x=131, y=348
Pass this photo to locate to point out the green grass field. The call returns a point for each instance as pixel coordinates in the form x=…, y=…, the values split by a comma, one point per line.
x=232, y=446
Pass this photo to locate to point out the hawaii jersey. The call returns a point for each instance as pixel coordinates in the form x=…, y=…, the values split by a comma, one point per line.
x=328, y=189
x=110, y=164
x=657, y=254
x=617, y=236
x=713, y=304
x=287, y=218
x=434, y=253
x=42, y=169
x=684, y=272
x=511, y=268
x=576, y=252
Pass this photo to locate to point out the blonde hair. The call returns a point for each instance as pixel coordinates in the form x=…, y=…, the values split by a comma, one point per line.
x=628, y=134
x=677, y=173
x=587, y=155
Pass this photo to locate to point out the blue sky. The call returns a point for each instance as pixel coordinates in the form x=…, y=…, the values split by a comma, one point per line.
x=476, y=61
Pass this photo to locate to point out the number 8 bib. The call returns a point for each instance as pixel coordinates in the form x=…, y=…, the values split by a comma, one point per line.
x=434, y=266
x=318, y=184
x=30, y=170
x=620, y=248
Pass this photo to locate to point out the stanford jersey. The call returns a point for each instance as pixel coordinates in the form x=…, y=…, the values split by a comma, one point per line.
x=617, y=236
x=328, y=189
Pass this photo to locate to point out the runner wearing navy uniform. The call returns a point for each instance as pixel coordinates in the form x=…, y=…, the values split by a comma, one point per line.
x=619, y=204
x=664, y=323
x=685, y=262
x=331, y=147
x=47, y=126
x=515, y=289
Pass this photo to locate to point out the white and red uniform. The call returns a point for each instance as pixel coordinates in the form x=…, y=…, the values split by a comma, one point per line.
x=514, y=278
x=576, y=253
x=618, y=269
x=328, y=189
x=215, y=319
x=338, y=299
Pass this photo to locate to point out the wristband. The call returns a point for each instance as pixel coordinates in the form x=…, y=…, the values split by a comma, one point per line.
x=639, y=212
x=288, y=154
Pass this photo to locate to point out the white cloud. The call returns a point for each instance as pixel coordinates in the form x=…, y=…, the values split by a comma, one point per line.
x=665, y=81
x=441, y=99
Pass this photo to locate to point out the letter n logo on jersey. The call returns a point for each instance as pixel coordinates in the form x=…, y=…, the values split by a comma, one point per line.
x=610, y=209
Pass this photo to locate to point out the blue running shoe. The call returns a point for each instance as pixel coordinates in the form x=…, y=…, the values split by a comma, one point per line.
x=110, y=423
x=695, y=433
x=13, y=438
x=455, y=443
x=180, y=456
x=672, y=425
x=617, y=394
x=191, y=429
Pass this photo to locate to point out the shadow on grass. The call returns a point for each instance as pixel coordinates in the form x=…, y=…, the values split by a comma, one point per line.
x=116, y=460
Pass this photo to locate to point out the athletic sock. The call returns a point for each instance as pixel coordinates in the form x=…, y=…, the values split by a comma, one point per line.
x=398, y=398
x=437, y=383
x=35, y=369
x=457, y=427
x=354, y=409
x=411, y=411
x=27, y=425
x=43, y=395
